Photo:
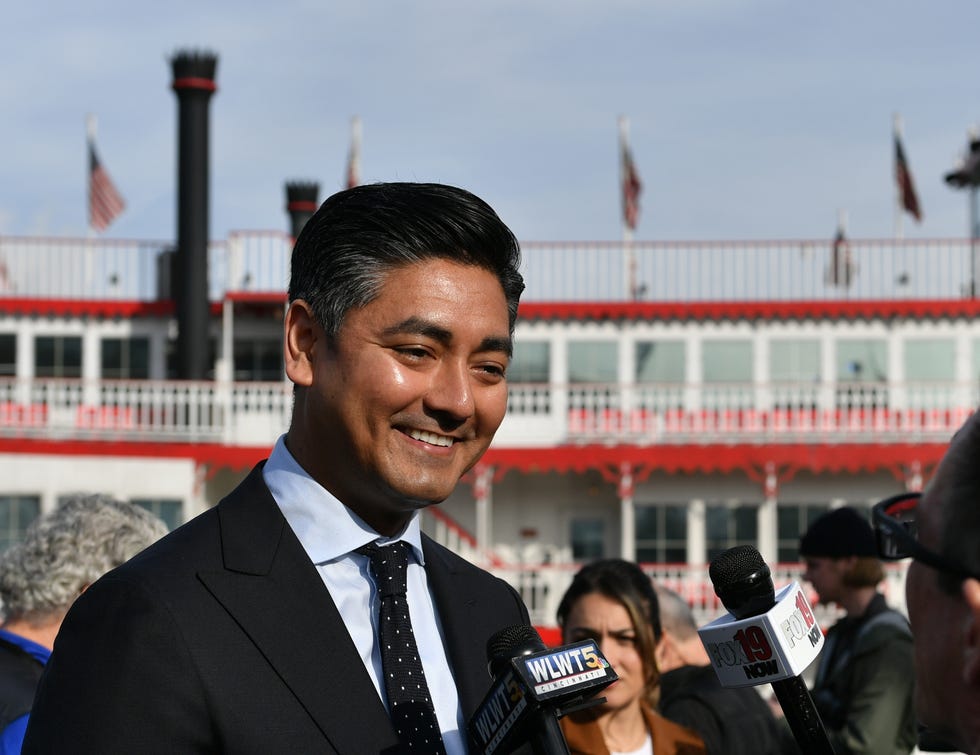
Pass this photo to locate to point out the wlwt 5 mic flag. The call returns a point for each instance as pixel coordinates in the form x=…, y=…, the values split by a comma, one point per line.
x=629, y=178
x=903, y=177
x=104, y=200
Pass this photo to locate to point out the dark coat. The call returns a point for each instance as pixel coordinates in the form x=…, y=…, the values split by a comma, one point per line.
x=863, y=689
x=19, y=674
x=731, y=721
x=222, y=637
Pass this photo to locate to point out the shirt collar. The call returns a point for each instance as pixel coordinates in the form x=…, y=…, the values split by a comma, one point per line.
x=325, y=527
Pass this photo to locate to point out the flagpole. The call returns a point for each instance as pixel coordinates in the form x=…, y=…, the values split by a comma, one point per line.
x=899, y=207
x=629, y=257
x=846, y=261
x=842, y=255
x=972, y=136
x=90, y=128
x=354, y=158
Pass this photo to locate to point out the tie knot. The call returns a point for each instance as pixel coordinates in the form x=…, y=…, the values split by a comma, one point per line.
x=389, y=565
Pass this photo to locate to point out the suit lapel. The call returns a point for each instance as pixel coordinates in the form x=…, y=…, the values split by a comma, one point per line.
x=271, y=588
x=456, y=602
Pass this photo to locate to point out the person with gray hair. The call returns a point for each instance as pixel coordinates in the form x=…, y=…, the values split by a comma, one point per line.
x=730, y=721
x=61, y=555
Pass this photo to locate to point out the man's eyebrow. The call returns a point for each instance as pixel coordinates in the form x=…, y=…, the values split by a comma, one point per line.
x=505, y=345
x=420, y=326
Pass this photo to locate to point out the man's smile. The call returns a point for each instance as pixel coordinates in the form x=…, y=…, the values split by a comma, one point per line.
x=432, y=439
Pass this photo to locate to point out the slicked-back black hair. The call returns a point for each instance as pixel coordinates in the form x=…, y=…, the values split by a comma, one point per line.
x=356, y=237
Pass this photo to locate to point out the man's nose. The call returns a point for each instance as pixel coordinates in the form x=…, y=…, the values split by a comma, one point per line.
x=451, y=390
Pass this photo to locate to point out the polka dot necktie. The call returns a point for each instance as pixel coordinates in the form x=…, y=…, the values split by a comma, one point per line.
x=409, y=704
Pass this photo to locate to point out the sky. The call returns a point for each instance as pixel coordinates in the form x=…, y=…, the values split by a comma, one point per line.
x=749, y=119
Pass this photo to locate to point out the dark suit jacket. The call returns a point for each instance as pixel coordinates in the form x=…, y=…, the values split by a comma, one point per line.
x=223, y=637
x=730, y=720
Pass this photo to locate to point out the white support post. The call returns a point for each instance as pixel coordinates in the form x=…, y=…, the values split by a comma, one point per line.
x=483, y=492
x=697, y=541
x=768, y=520
x=627, y=513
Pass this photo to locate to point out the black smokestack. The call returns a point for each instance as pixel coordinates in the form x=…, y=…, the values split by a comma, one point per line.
x=301, y=203
x=193, y=83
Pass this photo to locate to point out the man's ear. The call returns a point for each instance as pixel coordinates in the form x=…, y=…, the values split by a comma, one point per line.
x=666, y=654
x=971, y=642
x=660, y=650
x=301, y=337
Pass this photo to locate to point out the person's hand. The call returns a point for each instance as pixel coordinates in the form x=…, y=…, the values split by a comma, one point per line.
x=775, y=707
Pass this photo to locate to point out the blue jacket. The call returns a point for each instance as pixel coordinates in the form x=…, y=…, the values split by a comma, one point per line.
x=21, y=664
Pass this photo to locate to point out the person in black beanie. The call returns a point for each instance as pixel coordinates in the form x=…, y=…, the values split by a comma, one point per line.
x=864, y=679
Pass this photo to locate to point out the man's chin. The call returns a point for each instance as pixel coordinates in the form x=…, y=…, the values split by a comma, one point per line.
x=418, y=494
x=423, y=500
x=416, y=504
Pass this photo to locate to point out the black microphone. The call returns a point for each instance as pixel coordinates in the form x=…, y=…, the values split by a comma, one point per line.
x=533, y=686
x=743, y=583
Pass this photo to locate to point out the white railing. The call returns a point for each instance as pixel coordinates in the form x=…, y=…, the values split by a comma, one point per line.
x=145, y=410
x=743, y=412
x=784, y=270
x=253, y=413
x=542, y=587
x=105, y=269
x=666, y=271
x=65, y=268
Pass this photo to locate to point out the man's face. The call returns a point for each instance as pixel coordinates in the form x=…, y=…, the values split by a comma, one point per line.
x=826, y=575
x=937, y=620
x=409, y=395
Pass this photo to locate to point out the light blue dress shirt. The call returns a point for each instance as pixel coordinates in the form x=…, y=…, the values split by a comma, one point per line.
x=329, y=533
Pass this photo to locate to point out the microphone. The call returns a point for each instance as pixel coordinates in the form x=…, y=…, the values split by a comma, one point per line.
x=765, y=638
x=533, y=686
x=743, y=582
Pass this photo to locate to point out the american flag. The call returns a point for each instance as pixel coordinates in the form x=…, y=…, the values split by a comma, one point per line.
x=903, y=177
x=631, y=182
x=104, y=200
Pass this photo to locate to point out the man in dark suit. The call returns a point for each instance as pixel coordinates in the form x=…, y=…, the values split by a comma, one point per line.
x=730, y=720
x=253, y=628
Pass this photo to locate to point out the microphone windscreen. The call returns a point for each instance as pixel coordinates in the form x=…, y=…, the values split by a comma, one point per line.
x=742, y=581
x=734, y=565
x=510, y=642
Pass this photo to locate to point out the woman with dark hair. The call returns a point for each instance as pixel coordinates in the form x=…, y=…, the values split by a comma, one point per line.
x=613, y=603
